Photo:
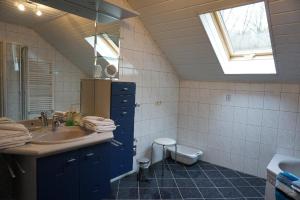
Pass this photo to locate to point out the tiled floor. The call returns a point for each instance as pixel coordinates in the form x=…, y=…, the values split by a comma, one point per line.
x=200, y=181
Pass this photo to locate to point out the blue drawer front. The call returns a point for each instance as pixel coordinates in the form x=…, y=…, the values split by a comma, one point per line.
x=122, y=88
x=123, y=116
x=122, y=101
x=124, y=133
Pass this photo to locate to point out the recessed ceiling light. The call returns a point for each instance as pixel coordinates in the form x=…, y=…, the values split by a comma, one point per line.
x=21, y=7
x=38, y=13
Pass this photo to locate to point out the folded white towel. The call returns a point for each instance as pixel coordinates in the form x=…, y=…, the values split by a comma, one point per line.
x=99, y=123
x=4, y=120
x=11, y=134
x=13, y=127
x=95, y=118
x=100, y=129
x=16, y=139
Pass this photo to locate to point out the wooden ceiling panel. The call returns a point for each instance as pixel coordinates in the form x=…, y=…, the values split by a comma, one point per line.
x=175, y=26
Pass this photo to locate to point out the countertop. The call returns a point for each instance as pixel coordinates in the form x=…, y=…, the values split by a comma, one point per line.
x=41, y=150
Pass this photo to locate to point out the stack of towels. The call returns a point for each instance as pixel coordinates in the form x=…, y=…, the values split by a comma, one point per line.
x=98, y=124
x=287, y=186
x=13, y=134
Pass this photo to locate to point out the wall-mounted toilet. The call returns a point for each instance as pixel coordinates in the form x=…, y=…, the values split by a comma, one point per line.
x=186, y=155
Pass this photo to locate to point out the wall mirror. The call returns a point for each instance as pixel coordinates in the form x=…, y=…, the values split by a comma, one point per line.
x=43, y=58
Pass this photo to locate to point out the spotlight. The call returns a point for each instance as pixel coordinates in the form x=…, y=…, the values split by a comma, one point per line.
x=38, y=13
x=21, y=7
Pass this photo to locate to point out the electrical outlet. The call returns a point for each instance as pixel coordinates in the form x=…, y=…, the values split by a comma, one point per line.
x=228, y=97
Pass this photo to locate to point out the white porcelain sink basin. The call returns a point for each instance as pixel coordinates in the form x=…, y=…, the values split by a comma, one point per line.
x=61, y=135
x=292, y=166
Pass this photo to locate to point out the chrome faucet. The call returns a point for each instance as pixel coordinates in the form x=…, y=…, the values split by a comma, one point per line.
x=55, y=122
x=44, y=119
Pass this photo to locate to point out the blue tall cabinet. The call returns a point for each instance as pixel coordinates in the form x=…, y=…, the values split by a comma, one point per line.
x=122, y=109
x=115, y=100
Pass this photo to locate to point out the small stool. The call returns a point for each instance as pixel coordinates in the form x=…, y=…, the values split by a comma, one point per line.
x=164, y=142
x=143, y=164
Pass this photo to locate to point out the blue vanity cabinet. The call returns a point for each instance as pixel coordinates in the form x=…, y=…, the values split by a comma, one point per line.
x=77, y=175
x=122, y=110
x=58, y=177
x=94, y=172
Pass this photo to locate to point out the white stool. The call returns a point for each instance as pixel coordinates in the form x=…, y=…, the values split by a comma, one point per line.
x=164, y=142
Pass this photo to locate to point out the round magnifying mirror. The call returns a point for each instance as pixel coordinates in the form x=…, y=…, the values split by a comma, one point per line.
x=110, y=71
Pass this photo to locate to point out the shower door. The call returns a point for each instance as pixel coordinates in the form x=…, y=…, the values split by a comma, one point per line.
x=13, y=73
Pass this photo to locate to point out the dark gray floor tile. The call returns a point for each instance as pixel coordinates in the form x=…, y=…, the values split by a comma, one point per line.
x=150, y=173
x=214, y=174
x=230, y=192
x=208, y=167
x=180, y=174
x=166, y=183
x=163, y=174
x=194, y=167
x=256, y=198
x=249, y=192
x=185, y=182
x=221, y=182
x=210, y=193
x=261, y=190
x=128, y=182
x=190, y=193
x=220, y=167
x=256, y=181
x=170, y=193
x=230, y=173
x=203, y=182
x=197, y=174
x=149, y=193
x=244, y=175
x=149, y=183
x=128, y=193
x=238, y=182
x=175, y=167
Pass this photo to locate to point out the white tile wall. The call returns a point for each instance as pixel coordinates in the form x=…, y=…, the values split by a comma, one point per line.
x=245, y=129
x=67, y=76
x=145, y=64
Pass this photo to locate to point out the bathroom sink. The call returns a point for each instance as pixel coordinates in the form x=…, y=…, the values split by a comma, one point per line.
x=60, y=135
x=292, y=166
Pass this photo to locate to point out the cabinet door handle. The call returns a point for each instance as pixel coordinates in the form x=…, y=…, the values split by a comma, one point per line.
x=116, y=141
x=71, y=160
x=125, y=89
x=89, y=155
x=115, y=144
x=125, y=101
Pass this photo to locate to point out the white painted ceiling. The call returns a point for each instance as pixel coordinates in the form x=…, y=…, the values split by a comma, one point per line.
x=175, y=26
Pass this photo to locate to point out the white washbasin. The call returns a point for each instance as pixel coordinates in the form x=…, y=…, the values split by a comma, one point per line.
x=292, y=166
x=280, y=163
x=60, y=135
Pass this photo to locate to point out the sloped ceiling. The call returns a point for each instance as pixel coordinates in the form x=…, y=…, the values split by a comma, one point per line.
x=175, y=26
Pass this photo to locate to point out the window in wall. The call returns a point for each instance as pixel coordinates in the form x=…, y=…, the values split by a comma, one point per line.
x=240, y=37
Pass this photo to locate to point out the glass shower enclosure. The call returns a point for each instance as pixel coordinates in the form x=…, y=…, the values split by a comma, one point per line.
x=13, y=68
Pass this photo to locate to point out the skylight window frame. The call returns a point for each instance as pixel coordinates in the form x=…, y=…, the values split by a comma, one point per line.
x=224, y=36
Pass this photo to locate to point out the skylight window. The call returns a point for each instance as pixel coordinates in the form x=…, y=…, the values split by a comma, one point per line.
x=240, y=37
x=106, y=48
